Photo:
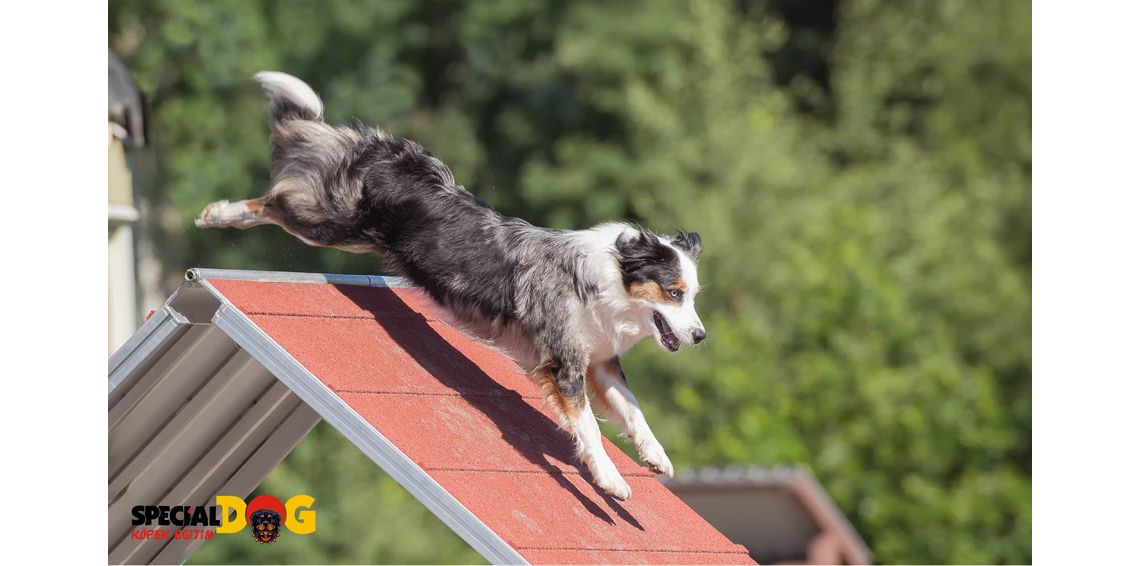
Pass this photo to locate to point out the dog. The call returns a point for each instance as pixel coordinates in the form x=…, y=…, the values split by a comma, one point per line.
x=564, y=304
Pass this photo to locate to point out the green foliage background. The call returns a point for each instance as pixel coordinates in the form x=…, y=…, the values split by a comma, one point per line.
x=859, y=171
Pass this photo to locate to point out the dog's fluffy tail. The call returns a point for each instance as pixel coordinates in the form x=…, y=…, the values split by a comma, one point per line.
x=289, y=97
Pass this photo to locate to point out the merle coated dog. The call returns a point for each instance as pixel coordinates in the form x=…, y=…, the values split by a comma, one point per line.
x=565, y=304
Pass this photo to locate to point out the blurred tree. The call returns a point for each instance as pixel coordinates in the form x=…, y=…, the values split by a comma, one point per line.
x=859, y=171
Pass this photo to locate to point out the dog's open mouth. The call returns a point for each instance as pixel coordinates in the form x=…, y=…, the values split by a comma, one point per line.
x=668, y=339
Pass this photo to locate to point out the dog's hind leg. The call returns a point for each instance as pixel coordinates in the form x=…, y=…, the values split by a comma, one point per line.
x=563, y=387
x=242, y=214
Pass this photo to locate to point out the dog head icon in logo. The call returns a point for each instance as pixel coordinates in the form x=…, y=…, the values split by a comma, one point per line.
x=264, y=514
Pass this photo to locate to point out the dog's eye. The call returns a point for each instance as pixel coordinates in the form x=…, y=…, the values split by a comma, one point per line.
x=675, y=294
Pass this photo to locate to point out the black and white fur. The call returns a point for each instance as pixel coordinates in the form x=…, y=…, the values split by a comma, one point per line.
x=564, y=304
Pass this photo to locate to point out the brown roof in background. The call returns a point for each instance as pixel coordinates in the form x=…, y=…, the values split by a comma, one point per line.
x=781, y=515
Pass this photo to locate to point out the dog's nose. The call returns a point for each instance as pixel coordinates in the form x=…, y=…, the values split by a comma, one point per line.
x=698, y=335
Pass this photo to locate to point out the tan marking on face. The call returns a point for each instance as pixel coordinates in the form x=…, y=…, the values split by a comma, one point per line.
x=652, y=291
x=680, y=286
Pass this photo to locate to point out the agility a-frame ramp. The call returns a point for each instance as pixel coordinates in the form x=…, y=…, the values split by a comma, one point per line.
x=223, y=381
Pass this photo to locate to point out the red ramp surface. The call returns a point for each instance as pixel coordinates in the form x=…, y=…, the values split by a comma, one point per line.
x=471, y=421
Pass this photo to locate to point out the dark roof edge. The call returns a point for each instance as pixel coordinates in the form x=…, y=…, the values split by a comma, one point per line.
x=333, y=409
x=203, y=273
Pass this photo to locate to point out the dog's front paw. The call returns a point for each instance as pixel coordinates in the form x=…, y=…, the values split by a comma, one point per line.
x=609, y=479
x=654, y=456
x=615, y=486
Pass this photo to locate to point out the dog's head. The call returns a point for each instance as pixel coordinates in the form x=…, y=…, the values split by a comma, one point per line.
x=660, y=276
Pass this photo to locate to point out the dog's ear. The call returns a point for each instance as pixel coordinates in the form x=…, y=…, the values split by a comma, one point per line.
x=638, y=251
x=688, y=242
x=641, y=245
